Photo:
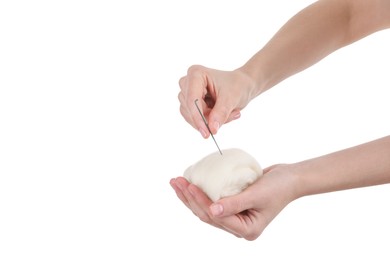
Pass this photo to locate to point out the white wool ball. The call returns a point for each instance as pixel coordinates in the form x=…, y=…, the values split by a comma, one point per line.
x=224, y=175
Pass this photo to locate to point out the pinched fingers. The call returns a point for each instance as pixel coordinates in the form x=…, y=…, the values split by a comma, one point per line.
x=195, y=86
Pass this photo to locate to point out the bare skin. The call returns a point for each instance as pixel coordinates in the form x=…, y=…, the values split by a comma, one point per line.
x=248, y=214
x=309, y=36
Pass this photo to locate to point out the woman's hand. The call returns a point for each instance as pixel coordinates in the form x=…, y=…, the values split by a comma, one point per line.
x=222, y=95
x=247, y=214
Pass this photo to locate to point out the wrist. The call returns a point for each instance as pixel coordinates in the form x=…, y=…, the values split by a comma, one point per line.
x=296, y=170
x=257, y=70
x=291, y=181
x=253, y=75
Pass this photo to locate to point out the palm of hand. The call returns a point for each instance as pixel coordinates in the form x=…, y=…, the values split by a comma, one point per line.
x=247, y=214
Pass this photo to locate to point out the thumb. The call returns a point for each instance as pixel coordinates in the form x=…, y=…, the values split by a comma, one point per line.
x=230, y=205
x=219, y=115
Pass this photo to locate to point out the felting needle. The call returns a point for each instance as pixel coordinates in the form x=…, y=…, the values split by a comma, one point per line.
x=207, y=125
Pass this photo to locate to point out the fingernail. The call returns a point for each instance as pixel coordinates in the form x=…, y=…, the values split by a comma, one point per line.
x=216, y=209
x=237, y=116
x=203, y=132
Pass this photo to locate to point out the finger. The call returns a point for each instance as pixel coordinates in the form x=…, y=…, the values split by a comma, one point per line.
x=182, y=83
x=196, y=89
x=238, y=217
x=220, y=114
x=184, y=111
x=236, y=214
x=231, y=205
x=183, y=104
x=234, y=115
x=249, y=224
x=200, y=203
x=178, y=190
x=183, y=185
x=187, y=115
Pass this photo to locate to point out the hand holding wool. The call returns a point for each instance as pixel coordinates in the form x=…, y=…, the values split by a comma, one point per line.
x=224, y=175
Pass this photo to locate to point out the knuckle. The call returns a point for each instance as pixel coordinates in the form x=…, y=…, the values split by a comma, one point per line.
x=251, y=235
x=183, y=111
x=184, y=114
x=182, y=82
x=180, y=96
x=194, y=69
x=225, y=110
x=204, y=217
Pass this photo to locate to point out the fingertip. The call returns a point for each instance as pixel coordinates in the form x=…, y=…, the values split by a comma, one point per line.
x=203, y=132
x=235, y=204
x=216, y=119
x=173, y=183
x=215, y=127
x=236, y=115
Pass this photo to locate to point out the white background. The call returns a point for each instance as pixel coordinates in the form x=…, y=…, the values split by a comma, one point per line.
x=91, y=134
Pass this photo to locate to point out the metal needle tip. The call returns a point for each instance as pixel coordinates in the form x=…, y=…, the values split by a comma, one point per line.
x=207, y=125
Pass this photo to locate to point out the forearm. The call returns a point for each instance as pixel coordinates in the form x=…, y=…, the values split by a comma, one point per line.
x=364, y=165
x=311, y=35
